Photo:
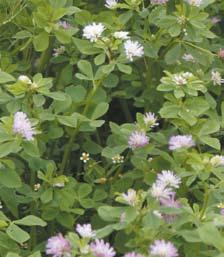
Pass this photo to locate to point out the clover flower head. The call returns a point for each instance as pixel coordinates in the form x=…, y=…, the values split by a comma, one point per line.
x=216, y=78
x=121, y=35
x=138, y=139
x=85, y=230
x=58, y=246
x=181, y=141
x=160, y=191
x=168, y=178
x=150, y=119
x=217, y=160
x=22, y=126
x=111, y=4
x=130, y=197
x=101, y=249
x=162, y=248
x=133, y=49
x=24, y=79
x=93, y=31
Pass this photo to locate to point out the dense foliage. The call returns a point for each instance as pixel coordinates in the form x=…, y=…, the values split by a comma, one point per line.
x=111, y=128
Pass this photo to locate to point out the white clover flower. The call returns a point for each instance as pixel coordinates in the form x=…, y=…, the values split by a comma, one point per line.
x=111, y=4
x=150, y=119
x=93, y=31
x=217, y=160
x=196, y=3
x=179, y=79
x=159, y=190
x=188, y=58
x=130, y=197
x=24, y=79
x=85, y=231
x=22, y=126
x=133, y=49
x=121, y=35
x=168, y=178
x=181, y=141
x=85, y=157
x=216, y=78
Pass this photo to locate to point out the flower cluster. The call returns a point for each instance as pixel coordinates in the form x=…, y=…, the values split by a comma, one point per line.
x=118, y=159
x=22, y=126
x=111, y=4
x=150, y=119
x=93, y=31
x=181, y=141
x=138, y=139
x=130, y=197
x=181, y=78
x=216, y=78
x=162, y=190
x=162, y=248
x=58, y=246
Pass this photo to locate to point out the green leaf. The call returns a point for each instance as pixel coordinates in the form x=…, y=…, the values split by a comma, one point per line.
x=5, y=77
x=124, y=68
x=210, y=235
x=100, y=59
x=36, y=254
x=31, y=148
x=12, y=255
x=47, y=195
x=77, y=93
x=213, y=142
x=86, y=68
x=100, y=110
x=84, y=190
x=63, y=36
x=31, y=220
x=17, y=234
x=9, y=178
x=70, y=121
x=9, y=147
x=41, y=41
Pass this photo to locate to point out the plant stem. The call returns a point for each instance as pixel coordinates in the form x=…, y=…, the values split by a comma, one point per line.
x=68, y=147
x=45, y=56
x=205, y=203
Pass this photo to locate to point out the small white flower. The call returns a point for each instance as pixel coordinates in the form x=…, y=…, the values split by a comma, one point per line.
x=58, y=51
x=159, y=191
x=216, y=78
x=118, y=159
x=130, y=197
x=121, y=35
x=84, y=157
x=85, y=231
x=36, y=187
x=179, y=79
x=188, y=58
x=133, y=49
x=150, y=119
x=93, y=31
x=196, y=3
x=111, y=4
x=217, y=160
x=24, y=79
x=187, y=75
x=168, y=178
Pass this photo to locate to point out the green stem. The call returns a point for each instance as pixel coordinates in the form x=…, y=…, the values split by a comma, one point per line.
x=205, y=204
x=68, y=147
x=199, y=48
x=45, y=56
